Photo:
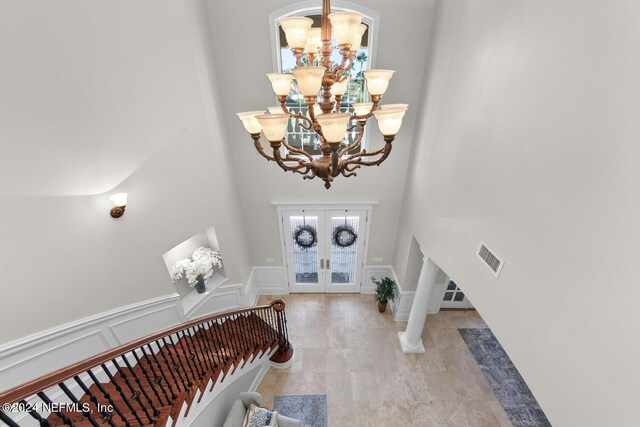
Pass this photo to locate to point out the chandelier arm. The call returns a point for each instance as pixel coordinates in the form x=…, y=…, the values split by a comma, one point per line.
x=375, y=100
x=297, y=151
x=312, y=114
x=297, y=116
x=295, y=169
x=356, y=143
x=258, y=145
x=349, y=171
x=385, y=151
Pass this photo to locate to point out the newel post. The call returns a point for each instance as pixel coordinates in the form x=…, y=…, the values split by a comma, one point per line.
x=285, y=350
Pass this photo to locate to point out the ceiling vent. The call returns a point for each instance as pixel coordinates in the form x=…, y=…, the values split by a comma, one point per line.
x=490, y=259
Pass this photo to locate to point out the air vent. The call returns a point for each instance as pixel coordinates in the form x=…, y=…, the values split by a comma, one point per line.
x=490, y=259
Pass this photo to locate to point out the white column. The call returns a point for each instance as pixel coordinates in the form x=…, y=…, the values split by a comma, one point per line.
x=411, y=338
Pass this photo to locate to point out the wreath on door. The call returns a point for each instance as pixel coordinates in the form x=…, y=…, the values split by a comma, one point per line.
x=344, y=236
x=305, y=236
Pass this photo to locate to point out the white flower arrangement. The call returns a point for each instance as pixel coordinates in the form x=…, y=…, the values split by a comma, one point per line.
x=202, y=263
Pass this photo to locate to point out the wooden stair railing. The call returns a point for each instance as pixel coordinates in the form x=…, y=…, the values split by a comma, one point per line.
x=149, y=380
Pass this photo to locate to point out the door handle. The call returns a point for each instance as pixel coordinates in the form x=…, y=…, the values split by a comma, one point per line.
x=322, y=264
x=328, y=264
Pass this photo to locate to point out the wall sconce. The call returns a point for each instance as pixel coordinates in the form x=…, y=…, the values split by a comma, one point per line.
x=120, y=200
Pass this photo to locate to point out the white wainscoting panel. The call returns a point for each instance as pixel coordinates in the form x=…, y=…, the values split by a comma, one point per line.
x=44, y=358
x=226, y=297
x=39, y=354
x=270, y=280
x=377, y=271
x=145, y=323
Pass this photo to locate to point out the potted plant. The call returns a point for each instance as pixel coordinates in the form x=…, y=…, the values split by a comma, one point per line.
x=385, y=291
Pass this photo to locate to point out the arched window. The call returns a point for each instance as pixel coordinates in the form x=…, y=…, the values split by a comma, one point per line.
x=284, y=62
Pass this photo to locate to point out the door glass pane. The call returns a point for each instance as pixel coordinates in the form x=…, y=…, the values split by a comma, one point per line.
x=448, y=296
x=459, y=296
x=344, y=237
x=305, y=248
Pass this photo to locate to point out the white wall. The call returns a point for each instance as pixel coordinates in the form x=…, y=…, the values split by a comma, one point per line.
x=122, y=79
x=529, y=142
x=403, y=34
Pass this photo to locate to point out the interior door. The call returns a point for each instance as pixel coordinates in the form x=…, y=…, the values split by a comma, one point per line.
x=324, y=250
x=344, y=250
x=305, y=250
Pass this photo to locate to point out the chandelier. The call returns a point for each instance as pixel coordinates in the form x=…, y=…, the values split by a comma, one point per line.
x=323, y=83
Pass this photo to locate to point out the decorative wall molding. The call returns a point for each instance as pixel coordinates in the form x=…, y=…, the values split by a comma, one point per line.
x=225, y=297
x=270, y=280
x=377, y=271
x=41, y=353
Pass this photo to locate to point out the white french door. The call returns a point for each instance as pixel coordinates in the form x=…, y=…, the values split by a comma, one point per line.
x=324, y=249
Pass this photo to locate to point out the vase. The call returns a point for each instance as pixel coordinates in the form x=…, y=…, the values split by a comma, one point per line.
x=382, y=306
x=201, y=287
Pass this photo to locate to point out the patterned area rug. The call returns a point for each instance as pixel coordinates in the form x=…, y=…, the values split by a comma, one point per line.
x=311, y=409
x=505, y=380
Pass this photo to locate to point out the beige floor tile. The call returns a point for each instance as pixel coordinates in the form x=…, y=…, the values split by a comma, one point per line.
x=346, y=349
x=341, y=413
x=395, y=387
x=499, y=413
x=480, y=414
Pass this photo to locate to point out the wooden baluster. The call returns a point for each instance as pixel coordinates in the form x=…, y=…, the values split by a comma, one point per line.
x=61, y=415
x=186, y=357
x=42, y=421
x=215, y=328
x=158, y=378
x=135, y=394
x=149, y=381
x=121, y=392
x=236, y=336
x=161, y=370
x=168, y=367
x=197, y=338
x=192, y=355
x=286, y=331
x=263, y=331
x=246, y=335
x=213, y=346
x=74, y=399
x=273, y=327
x=92, y=398
x=7, y=420
x=156, y=411
x=107, y=396
x=284, y=351
x=227, y=331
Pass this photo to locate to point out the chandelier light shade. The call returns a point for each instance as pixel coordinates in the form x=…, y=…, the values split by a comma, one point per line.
x=280, y=83
x=314, y=41
x=389, y=120
x=339, y=88
x=309, y=80
x=357, y=37
x=378, y=81
x=296, y=29
x=345, y=25
x=274, y=126
x=323, y=83
x=334, y=126
x=251, y=124
x=362, y=108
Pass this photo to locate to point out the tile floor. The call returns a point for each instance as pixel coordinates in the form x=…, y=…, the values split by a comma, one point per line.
x=346, y=349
